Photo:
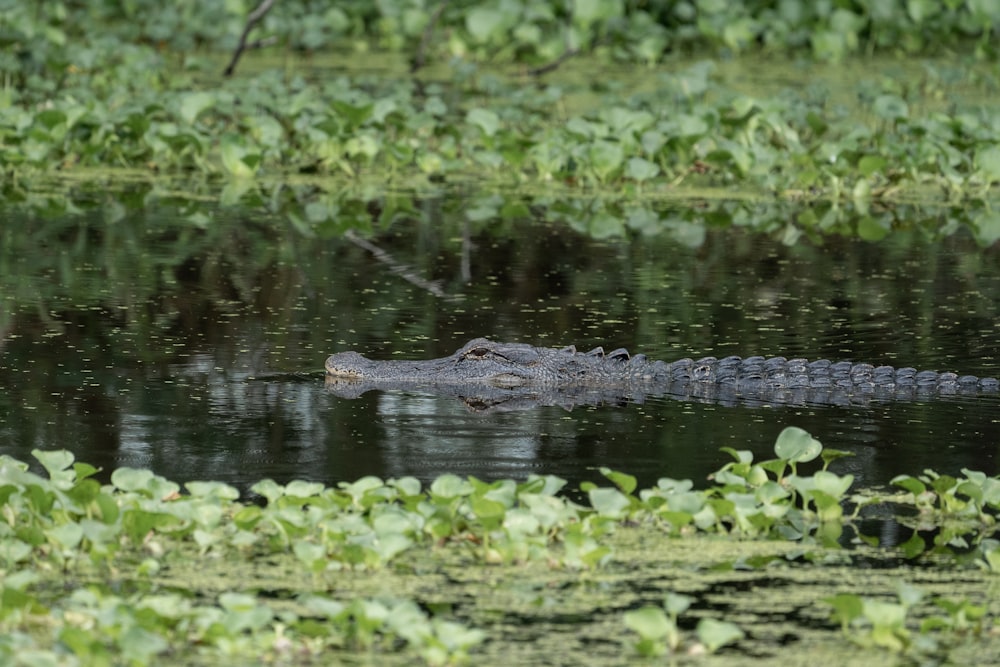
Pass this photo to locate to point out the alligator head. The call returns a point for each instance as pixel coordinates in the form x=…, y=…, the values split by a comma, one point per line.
x=480, y=361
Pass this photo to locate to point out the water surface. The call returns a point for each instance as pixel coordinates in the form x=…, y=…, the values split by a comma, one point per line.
x=195, y=350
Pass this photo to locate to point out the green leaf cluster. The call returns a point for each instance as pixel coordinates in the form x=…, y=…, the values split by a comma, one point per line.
x=109, y=544
x=895, y=627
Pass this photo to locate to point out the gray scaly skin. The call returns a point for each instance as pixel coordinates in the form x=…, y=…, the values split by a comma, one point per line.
x=488, y=374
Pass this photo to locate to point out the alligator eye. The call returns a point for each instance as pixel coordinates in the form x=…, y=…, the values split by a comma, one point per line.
x=484, y=353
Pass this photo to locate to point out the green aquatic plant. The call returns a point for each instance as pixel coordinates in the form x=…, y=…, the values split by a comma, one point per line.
x=113, y=547
x=659, y=633
x=949, y=514
x=898, y=627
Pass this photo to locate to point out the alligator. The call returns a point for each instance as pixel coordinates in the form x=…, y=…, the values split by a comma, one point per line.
x=489, y=376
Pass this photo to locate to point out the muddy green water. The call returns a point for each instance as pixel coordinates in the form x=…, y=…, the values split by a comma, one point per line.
x=134, y=339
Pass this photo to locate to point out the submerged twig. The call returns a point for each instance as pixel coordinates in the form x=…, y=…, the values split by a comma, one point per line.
x=402, y=270
x=255, y=16
x=419, y=58
x=567, y=53
x=551, y=65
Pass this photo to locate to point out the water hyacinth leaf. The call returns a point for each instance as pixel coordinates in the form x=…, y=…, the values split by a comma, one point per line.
x=218, y=490
x=302, y=489
x=84, y=492
x=911, y=484
x=244, y=612
x=828, y=507
x=972, y=491
x=360, y=487
x=193, y=104
x=546, y=510
x=85, y=646
x=487, y=121
x=108, y=508
x=987, y=227
x=830, y=455
x=888, y=620
x=450, y=486
x=605, y=158
x=716, y=634
x=641, y=169
x=67, y=535
x=323, y=605
x=623, y=481
x=98, y=532
x=269, y=489
x=871, y=164
x=354, y=114
x=50, y=118
x=770, y=492
x=390, y=545
x=266, y=131
x=648, y=622
x=991, y=556
x=132, y=479
x=609, y=502
x=676, y=603
x=605, y=225
x=690, y=502
x=690, y=126
x=13, y=551
x=913, y=547
x=140, y=646
x=407, y=486
x=832, y=484
x=891, y=107
x=483, y=22
x=846, y=608
x=989, y=486
x=797, y=445
x=56, y=464
x=455, y=636
x=235, y=157
x=909, y=595
x=487, y=510
x=552, y=484
x=987, y=160
x=394, y=523
x=643, y=220
x=520, y=522
x=944, y=485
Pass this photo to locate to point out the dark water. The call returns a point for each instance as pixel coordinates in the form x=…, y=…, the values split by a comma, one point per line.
x=192, y=349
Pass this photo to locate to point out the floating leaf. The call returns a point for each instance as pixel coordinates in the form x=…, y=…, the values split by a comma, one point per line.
x=891, y=107
x=846, y=608
x=485, y=120
x=623, y=481
x=609, y=502
x=649, y=622
x=193, y=104
x=796, y=445
x=641, y=169
x=716, y=634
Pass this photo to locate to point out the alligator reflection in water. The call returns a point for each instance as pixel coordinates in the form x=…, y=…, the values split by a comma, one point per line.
x=491, y=377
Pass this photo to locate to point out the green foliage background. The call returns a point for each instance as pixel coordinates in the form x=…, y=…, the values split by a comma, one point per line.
x=137, y=87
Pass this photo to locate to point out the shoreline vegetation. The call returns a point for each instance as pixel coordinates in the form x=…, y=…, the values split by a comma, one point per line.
x=654, y=103
x=141, y=569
